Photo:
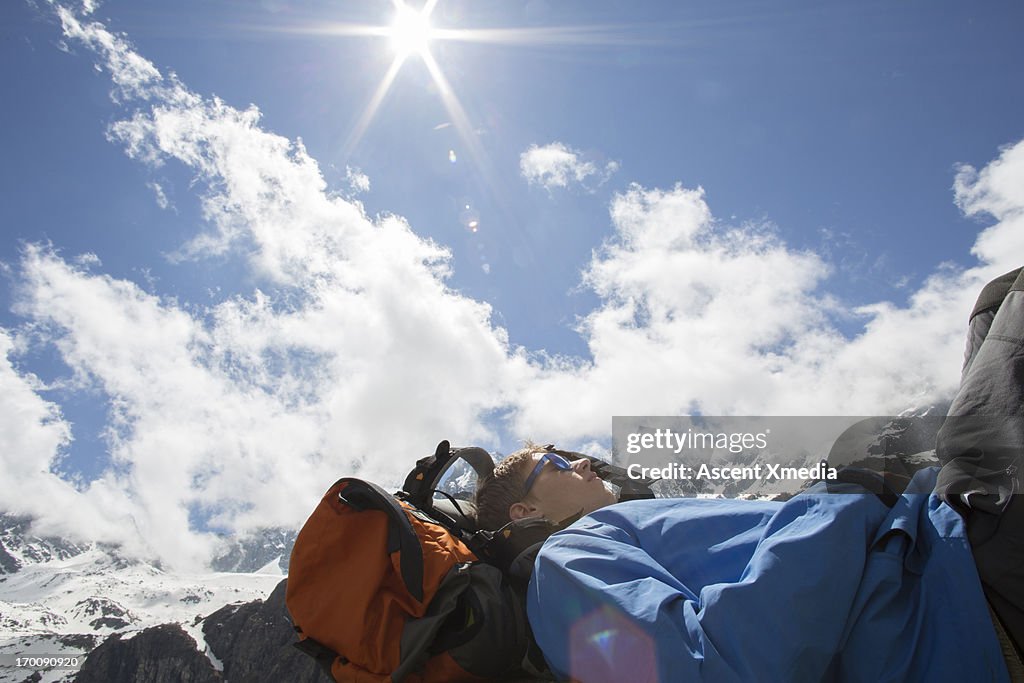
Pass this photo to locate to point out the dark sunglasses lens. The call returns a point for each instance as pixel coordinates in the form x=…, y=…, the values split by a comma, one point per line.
x=559, y=462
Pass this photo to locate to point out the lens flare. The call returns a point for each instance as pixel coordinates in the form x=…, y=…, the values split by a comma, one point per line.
x=470, y=217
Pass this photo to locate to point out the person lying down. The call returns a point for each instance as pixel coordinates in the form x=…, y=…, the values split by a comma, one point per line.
x=822, y=587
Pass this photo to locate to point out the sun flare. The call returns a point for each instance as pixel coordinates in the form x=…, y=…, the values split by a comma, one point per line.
x=410, y=31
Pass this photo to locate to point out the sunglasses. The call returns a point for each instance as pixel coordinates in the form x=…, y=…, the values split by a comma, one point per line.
x=560, y=463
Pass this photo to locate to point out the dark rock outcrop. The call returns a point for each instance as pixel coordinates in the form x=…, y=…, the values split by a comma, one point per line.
x=78, y=641
x=254, y=643
x=161, y=654
x=105, y=613
x=8, y=563
x=113, y=623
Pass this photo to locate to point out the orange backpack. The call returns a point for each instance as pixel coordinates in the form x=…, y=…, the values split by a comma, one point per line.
x=385, y=588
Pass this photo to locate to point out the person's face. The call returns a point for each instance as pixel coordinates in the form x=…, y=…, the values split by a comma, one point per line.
x=560, y=494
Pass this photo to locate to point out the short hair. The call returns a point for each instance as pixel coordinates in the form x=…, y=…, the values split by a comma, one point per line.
x=496, y=493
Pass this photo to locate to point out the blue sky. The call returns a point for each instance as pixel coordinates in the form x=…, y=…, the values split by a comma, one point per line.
x=776, y=208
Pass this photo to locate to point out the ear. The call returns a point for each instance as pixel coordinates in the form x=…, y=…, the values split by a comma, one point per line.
x=522, y=510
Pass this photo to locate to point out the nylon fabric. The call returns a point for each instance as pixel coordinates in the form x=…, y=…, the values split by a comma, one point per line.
x=981, y=447
x=981, y=439
x=822, y=587
x=418, y=634
x=501, y=623
x=346, y=591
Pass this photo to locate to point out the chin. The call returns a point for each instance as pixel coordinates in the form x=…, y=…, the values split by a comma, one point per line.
x=603, y=501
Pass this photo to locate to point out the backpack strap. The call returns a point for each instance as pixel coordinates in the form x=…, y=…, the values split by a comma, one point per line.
x=509, y=546
x=363, y=495
x=323, y=655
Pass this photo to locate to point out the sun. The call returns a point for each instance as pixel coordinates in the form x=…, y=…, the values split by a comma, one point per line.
x=410, y=34
x=410, y=31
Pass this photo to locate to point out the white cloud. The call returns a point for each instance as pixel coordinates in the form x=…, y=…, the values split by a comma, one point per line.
x=731, y=320
x=557, y=165
x=32, y=436
x=358, y=182
x=242, y=410
x=161, y=196
x=133, y=75
x=245, y=410
x=996, y=191
x=88, y=260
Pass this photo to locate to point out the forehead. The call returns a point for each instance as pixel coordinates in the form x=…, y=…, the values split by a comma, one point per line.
x=540, y=454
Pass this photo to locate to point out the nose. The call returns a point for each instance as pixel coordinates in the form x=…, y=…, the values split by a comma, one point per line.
x=582, y=465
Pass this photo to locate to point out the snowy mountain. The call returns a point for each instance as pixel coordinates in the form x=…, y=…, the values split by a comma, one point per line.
x=258, y=552
x=63, y=598
x=19, y=547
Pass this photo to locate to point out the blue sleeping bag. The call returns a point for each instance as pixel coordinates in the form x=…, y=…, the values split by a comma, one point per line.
x=833, y=587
